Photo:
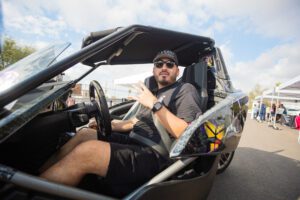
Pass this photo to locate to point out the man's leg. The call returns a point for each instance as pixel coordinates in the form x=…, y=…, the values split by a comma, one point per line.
x=81, y=136
x=88, y=157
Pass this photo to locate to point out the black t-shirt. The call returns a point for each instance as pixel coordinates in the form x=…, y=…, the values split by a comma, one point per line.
x=185, y=105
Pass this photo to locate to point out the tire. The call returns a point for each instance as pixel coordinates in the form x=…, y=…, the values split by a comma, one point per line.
x=224, y=161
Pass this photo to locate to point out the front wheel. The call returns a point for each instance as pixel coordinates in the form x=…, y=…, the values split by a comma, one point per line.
x=224, y=161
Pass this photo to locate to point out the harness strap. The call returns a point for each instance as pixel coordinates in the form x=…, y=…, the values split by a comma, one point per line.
x=164, y=135
x=143, y=140
x=172, y=105
x=166, y=141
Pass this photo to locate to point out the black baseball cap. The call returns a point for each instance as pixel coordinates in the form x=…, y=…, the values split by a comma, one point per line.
x=166, y=54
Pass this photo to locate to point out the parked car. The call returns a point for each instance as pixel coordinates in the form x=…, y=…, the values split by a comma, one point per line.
x=293, y=111
x=35, y=122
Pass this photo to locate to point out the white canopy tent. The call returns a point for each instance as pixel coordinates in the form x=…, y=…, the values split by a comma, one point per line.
x=130, y=81
x=290, y=88
x=288, y=91
x=280, y=98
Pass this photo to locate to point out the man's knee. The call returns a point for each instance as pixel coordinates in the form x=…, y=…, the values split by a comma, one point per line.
x=86, y=148
x=86, y=134
x=93, y=156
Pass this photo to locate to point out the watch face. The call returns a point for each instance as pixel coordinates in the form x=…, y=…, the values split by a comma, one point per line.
x=157, y=106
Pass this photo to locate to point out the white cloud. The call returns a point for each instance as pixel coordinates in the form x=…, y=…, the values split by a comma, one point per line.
x=37, y=44
x=269, y=18
x=227, y=53
x=97, y=15
x=278, y=64
x=20, y=19
x=36, y=25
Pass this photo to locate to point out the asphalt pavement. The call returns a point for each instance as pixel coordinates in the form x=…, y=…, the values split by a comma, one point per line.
x=266, y=166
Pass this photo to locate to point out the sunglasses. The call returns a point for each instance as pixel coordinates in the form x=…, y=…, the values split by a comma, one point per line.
x=160, y=64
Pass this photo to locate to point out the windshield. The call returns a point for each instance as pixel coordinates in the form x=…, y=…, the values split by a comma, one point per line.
x=29, y=66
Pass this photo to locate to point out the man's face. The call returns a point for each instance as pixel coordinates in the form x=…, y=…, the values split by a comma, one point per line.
x=165, y=75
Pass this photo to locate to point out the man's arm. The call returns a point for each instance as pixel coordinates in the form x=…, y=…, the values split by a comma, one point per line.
x=118, y=125
x=174, y=125
x=123, y=126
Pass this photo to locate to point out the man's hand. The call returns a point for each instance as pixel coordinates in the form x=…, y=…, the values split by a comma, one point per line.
x=93, y=124
x=145, y=97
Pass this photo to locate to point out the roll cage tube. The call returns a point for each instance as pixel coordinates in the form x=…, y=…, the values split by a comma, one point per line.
x=11, y=175
x=62, y=65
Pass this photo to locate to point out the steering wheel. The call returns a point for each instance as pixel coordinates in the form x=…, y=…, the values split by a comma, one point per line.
x=102, y=115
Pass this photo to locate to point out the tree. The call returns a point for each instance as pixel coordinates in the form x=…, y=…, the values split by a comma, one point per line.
x=12, y=52
x=277, y=84
x=258, y=90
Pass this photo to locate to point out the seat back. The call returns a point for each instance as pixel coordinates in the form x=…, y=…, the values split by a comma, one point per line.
x=196, y=74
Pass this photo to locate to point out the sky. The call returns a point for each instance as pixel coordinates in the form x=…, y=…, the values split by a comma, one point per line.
x=259, y=39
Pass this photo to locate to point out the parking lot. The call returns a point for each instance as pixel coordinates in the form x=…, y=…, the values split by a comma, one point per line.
x=266, y=165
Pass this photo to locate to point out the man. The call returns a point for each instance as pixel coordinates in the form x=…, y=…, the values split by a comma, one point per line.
x=122, y=159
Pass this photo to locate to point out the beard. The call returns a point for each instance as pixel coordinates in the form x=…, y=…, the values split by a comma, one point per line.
x=165, y=81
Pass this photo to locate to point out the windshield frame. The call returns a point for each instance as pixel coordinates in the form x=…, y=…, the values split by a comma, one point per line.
x=15, y=119
x=19, y=77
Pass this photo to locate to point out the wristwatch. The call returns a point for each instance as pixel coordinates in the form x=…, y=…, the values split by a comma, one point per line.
x=158, y=104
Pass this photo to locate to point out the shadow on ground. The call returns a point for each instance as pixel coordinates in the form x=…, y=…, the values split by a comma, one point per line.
x=256, y=174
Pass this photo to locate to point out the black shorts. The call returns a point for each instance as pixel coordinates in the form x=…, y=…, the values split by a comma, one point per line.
x=131, y=164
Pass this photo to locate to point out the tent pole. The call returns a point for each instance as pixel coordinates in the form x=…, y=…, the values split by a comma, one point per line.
x=261, y=99
x=277, y=104
x=270, y=116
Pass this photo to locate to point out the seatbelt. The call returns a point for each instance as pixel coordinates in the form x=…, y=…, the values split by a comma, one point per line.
x=164, y=135
x=132, y=111
x=172, y=106
x=143, y=140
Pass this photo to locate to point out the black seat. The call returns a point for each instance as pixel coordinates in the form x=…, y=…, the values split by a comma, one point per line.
x=196, y=74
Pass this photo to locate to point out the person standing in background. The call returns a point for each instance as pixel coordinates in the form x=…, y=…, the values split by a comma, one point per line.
x=273, y=111
x=262, y=112
x=268, y=110
x=254, y=112
x=297, y=125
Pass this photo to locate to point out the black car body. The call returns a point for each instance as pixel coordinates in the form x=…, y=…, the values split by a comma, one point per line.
x=205, y=148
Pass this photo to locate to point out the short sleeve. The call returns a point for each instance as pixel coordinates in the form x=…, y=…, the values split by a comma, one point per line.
x=187, y=103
